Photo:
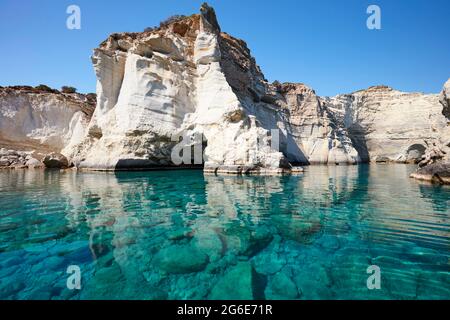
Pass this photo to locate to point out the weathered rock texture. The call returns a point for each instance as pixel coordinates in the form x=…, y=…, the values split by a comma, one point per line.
x=34, y=122
x=17, y=159
x=438, y=172
x=185, y=77
x=56, y=161
x=315, y=133
x=445, y=99
x=388, y=125
x=435, y=164
x=188, y=77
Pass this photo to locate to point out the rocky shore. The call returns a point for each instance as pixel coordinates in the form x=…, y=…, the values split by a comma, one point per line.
x=18, y=159
x=189, y=77
x=438, y=172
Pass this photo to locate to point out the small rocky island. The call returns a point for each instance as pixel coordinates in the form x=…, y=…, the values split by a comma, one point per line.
x=188, y=76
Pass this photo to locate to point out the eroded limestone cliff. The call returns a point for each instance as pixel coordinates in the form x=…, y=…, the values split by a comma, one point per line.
x=34, y=122
x=388, y=125
x=188, y=79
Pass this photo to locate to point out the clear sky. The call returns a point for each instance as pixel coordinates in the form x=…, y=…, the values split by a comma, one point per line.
x=323, y=43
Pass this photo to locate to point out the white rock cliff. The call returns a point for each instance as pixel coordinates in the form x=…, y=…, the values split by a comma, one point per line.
x=35, y=122
x=187, y=79
x=153, y=85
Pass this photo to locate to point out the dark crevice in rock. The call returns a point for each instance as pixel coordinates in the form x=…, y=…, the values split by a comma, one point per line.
x=259, y=284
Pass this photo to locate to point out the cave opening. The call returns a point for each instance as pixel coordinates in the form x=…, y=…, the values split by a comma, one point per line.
x=415, y=152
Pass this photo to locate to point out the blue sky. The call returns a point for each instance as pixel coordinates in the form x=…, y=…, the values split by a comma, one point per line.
x=323, y=43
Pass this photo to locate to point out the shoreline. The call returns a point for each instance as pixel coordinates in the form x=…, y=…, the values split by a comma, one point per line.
x=235, y=170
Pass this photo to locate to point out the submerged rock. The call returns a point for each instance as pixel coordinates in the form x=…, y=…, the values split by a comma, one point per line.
x=236, y=284
x=259, y=239
x=180, y=233
x=9, y=289
x=271, y=260
x=281, y=287
x=247, y=242
x=179, y=259
x=106, y=283
x=210, y=243
x=297, y=229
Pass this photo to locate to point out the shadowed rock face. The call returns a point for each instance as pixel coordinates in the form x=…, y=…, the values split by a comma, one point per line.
x=314, y=129
x=209, y=16
x=438, y=172
x=435, y=164
x=445, y=99
x=55, y=161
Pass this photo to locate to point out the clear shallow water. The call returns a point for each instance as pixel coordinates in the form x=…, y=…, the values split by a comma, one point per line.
x=182, y=235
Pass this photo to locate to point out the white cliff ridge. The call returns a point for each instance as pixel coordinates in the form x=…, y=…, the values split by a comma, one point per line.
x=188, y=79
x=388, y=125
x=156, y=84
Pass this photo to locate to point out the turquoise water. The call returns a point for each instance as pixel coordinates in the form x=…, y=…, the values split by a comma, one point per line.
x=183, y=235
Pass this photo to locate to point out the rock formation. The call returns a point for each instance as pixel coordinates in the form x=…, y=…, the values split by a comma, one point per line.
x=435, y=164
x=34, y=122
x=17, y=159
x=56, y=161
x=315, y=134
x=445, y=99
x=386, y=125
x=190, y=77
x=436, y=172
x=186, y=77
x=189, y=80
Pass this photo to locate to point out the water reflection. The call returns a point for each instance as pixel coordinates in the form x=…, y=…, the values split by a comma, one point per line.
x=183, y=235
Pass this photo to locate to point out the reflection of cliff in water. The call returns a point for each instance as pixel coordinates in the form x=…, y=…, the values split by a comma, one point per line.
x=433, y=193
x=183, y=235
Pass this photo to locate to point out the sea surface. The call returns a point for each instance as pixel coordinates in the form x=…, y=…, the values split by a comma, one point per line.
x=186, y=235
